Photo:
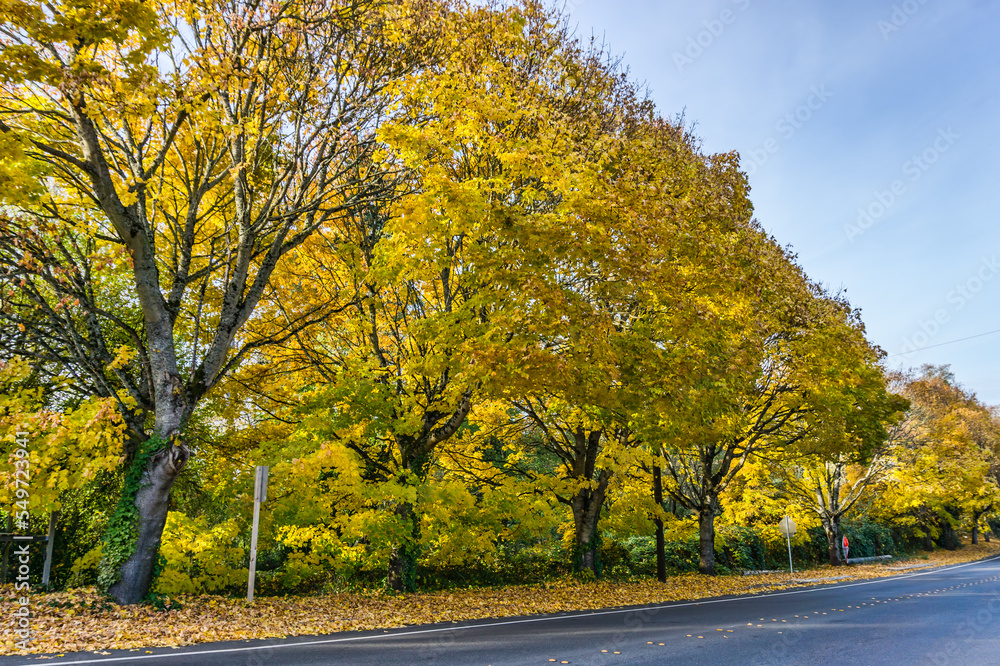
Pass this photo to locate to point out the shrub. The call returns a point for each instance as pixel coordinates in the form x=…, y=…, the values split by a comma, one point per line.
x=198, y=558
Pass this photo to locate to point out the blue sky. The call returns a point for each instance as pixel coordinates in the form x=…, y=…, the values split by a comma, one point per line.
x=871, y=133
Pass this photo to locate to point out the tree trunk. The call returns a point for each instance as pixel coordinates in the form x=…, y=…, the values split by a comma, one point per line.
x=949, y=537
x=586, y=545
x=661, y=555
x=706, y=539
x=975, y=526
x=151, y=502
x=587, y=505
x=403, y=568
x=588, y=553
x=832, y=529
x=403, y=559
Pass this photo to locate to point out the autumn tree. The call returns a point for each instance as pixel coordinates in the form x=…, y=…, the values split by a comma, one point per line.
x=849, y=451
x=635, y=314
x=945, y=473
x=500, y=138
x=159, y=161
x=783, y=367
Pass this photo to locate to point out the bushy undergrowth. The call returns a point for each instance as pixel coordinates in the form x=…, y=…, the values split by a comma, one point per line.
x=204, y=561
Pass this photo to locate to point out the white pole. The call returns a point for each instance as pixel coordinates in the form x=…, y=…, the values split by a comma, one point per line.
x=253, y=536
x=788, y=538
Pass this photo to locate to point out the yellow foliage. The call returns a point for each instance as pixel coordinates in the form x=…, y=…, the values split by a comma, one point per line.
x=200, y=558
x=64, y=449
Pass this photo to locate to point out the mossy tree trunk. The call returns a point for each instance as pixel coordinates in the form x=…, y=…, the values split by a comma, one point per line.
x=402, y=575
x=151, y=503
x=587, y=504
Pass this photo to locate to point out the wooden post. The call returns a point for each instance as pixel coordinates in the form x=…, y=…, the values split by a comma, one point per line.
x=50, y=544
x=259, y=495
x=6, y=548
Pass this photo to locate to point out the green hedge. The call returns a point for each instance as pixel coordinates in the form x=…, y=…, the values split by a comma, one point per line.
x=742, y=549
x=736, y=548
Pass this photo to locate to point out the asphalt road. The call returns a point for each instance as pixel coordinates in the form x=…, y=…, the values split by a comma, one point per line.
x=944, y=616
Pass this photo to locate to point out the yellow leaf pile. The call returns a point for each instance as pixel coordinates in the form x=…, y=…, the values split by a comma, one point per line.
x=84, y=620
